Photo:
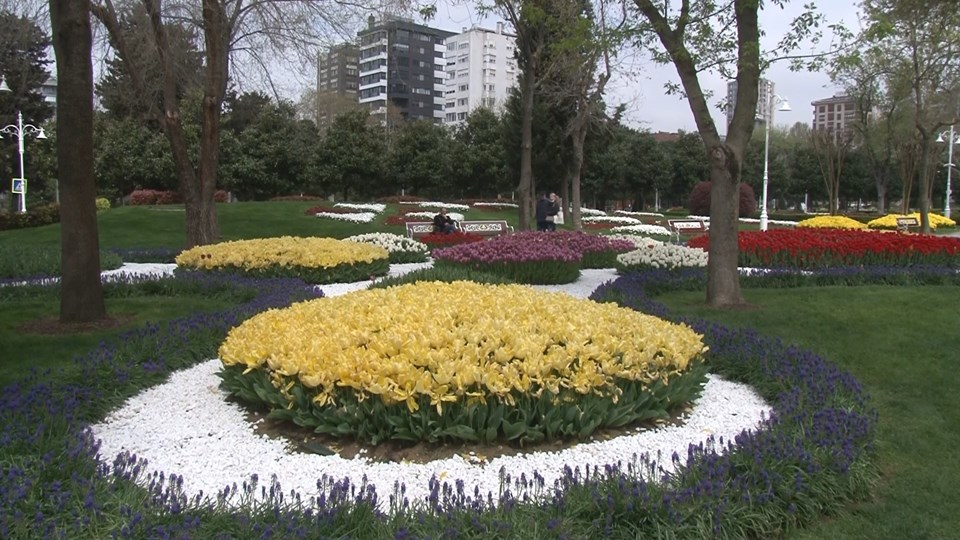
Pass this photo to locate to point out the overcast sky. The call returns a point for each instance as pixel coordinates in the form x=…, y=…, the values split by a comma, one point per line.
x=640, y=83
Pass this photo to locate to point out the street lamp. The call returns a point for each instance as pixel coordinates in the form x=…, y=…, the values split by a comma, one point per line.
x=774, y=99
x=950, y=142
x=19, y=185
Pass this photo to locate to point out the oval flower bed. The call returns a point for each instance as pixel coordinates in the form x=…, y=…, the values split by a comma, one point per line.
x=314, y=260
x=889, y=221
x=462, y=361
x=524, y=257
x=809, y=248
x=660, y=255
x=595, y=251
x=831, y=222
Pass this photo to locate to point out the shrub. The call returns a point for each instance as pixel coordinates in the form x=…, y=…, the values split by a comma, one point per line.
x=36, y=216
x=300, y=197
x=146, y=197
x=102, y=204
x=699, y=202
x=220, y=196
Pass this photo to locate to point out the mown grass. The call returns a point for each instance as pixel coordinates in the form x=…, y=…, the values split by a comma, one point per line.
x=902, y=343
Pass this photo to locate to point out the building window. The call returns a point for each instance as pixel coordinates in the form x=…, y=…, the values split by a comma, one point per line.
x=464, y=45
x=461, y=102
x=461, y=116
x=463, y=87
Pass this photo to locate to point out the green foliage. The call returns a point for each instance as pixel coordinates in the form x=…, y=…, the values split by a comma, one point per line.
x=531, y=419
x=128, y=155
x=341, y=273
x=444, y=274
x=20, y=262
x=35, y=216
x=352, y=156
x=102, y=204
x=546, y=272
x=479, y=165
x=420, y=159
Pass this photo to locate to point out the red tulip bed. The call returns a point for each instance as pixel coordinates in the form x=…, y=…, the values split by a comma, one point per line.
x=828, y=248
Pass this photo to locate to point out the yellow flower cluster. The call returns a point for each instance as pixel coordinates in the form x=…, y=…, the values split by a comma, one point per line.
x=832, y=222
x=286, y=251
x=889, y=221
x=459, y=341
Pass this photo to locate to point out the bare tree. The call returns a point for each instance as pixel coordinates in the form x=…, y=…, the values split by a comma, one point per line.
x=831, y=149
x=81, y=293
x=243, y=34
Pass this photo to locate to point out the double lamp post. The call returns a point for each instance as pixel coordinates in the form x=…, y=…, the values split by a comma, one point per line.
x=20, y=130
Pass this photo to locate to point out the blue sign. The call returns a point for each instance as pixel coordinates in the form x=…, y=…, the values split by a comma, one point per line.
x=19, y=185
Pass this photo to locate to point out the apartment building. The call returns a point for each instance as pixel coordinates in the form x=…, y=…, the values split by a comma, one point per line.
x=338, y=78
x=481, y=68
x=401, y=71
x=764, y=96
x=835, y=114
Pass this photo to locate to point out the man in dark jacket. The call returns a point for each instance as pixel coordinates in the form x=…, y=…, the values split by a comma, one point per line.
x=543, y=210
x=442, y=223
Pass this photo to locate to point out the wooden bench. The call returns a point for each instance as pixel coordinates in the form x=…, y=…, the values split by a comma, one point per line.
x=418, y=229
x=686, y=227
x=904, y=223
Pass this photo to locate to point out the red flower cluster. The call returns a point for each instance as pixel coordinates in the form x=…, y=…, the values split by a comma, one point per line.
x=148, y=197
x=439, y=240
x=400, y=219
x=823, y=248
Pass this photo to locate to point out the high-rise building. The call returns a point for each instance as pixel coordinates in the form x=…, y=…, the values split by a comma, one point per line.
x=401, y=69
x=836, y=114
x=338, y=77
x=764, y=95
x=480, y=71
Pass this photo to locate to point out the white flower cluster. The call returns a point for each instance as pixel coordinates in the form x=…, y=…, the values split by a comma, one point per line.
x=591, y=212
x=390, y=242
x=642, y=228
x=496, y=205
x=610, y=219
x=638, y=214
x=369, y=207
x=360, y=217
x=429, y=215
x=770, y=221
x=662, y=255
x=635, y=239
x=448, y=206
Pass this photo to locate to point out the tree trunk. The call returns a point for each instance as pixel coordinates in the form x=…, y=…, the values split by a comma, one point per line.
x=81, y=293
x=526, y=148
x=723, y=279
x=577, y=137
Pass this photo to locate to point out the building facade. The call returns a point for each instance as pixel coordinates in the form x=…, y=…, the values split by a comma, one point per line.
x=765, y=95
x=835, y=115
x=481, y=68
x=401, y=73
x=338, y=78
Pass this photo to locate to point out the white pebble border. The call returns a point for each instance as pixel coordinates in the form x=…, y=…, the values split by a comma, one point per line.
x=187, y=427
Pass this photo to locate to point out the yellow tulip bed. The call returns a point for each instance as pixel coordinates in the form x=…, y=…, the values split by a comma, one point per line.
x=462, y=361
x=314, y=260
x=889, y=221
x=831, y=222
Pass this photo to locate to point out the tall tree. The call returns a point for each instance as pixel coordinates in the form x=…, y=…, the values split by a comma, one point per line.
x=235, y=32
x=831, y=150
x=481, y=166
x=923, y=39
x=698, y=36
x=81, y=293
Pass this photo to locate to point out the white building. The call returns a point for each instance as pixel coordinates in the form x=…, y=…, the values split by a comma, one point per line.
x=480, y=71
x=764, y=94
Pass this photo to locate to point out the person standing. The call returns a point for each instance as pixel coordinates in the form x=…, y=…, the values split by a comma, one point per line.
x=552, y=211
x=544, y=206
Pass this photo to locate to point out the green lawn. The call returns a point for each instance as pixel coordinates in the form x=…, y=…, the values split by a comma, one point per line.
x=163, y=226
x=903, y=344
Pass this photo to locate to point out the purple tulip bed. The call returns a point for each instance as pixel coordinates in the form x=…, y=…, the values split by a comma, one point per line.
x=812, y=456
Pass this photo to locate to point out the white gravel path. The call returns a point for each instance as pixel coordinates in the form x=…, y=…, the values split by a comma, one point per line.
x=187, y=427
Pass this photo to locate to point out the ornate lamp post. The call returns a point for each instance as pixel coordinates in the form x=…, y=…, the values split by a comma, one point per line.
x=20, y=130
x=950, y=140
x=774, y=99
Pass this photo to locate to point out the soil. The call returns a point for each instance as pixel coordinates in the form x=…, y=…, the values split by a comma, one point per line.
x=304, y=440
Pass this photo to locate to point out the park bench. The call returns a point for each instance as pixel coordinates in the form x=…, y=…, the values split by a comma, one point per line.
x=905, y=223
x=418, y=229
x=686, y=227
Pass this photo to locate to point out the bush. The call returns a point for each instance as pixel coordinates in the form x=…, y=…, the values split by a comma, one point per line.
x=37, y=216
x=699, y=203
x=102, y=204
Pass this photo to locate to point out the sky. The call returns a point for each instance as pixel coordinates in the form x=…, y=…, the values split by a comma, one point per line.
x=640, y=83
